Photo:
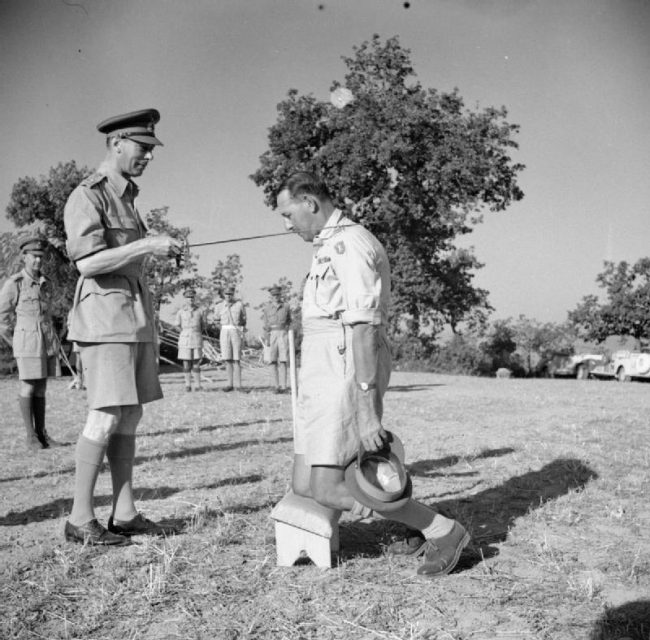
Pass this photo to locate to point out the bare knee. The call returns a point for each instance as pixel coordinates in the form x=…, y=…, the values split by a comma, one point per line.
x=102, y=423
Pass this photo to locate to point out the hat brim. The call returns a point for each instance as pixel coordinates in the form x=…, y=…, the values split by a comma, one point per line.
x=354, y=476
x=144, y=138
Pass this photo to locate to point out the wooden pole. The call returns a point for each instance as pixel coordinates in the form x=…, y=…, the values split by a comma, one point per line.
x=292, y=379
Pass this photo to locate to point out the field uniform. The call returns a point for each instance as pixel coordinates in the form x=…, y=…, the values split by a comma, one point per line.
x=349, y=282
x=277, y=320
x=112, y=318
x=190, y=339
x=25, y=304
x=232, y=322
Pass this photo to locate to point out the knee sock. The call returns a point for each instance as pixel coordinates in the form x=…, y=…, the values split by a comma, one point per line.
x=89, y=456
x=188, y=380
x=418, y=516
x=26, y=411
x=38, y=406
x=120, y=454
x=197, y=378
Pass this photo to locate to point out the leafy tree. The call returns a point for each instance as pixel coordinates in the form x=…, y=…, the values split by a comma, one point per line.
x=167, y=277
x=500, y=344
x=626, y=311
x=536, y=341
x=413, y=165
x=226, y=273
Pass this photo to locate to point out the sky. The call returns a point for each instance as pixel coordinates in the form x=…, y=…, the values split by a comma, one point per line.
x=573, y=74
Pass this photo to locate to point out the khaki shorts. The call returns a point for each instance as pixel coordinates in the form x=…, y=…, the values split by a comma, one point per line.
x=38, y=368
x=187, y=353
x=279, y=346
x=326, y=428
x=230, y=343
x=118, y=374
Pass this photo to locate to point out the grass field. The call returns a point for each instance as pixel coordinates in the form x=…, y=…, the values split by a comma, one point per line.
x=550, y=476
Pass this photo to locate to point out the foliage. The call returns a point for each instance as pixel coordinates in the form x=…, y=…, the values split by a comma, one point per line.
x=411, y=164
x=166, y=277
x=226, y=274
x=626, y=311
x=461, y=354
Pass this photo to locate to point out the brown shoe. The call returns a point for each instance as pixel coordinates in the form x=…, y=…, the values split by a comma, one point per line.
x=441, y=554
x=93, y=533
x=137, y=526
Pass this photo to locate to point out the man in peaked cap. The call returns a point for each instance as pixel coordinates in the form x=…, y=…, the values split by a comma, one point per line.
x=231, y=318
x=113, y=324
x=191, y=322
x=276, y=316
x=26, y=325
x=345, y=369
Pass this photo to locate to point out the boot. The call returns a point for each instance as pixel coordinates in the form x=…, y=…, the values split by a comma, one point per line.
x=38, y=407
x=33, y=443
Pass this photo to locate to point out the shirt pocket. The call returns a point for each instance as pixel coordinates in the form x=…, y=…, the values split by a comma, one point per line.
x=325, y=285
x=106, y=307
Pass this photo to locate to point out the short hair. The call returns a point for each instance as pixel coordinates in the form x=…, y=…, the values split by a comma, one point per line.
x=302, y=183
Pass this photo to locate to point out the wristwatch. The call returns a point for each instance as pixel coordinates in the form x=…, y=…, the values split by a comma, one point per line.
x=365, y=386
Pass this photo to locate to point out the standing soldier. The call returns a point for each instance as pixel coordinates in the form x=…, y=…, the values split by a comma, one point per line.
x=277, y=321
x=191, y=322
x=25, y=303
x=113, y=323
x=231, y=318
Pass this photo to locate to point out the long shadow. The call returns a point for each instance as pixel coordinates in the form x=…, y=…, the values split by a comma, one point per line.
x=57, y=508
x=171, y=455
x=402, y=388
x=487, y=515
x=427, y=468
x=630, y=621
x=212, y=427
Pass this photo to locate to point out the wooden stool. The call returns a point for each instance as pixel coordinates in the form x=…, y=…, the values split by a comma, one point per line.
x=305, y=529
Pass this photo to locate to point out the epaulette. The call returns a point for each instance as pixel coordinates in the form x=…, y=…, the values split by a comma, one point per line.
x=92, y=179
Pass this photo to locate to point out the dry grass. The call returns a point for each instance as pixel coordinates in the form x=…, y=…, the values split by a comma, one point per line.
x=550, y=476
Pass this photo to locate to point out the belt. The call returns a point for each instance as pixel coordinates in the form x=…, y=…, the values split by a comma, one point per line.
x=277, y=327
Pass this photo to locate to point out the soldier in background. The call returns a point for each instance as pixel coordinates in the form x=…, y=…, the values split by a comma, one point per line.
x=26, y=325
x=191, y=322
x=231, y=319
x=277, y=321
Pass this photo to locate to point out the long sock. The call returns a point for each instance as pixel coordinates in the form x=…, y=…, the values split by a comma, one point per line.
x=237, y=373
x=38, y=407
x=418, y=516
x=197, y=378
x=89, y=456
x=188, y=380
x=120, y=454
x=25, y=404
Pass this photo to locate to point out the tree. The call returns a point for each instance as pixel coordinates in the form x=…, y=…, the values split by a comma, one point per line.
x=226, y=274
x=167, y=277
x=626, y=312
x=413, y=165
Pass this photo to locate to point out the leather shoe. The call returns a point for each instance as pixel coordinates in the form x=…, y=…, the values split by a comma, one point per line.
x=93, y=533
x=226, y=389
x=139, y=525
x=441, y=554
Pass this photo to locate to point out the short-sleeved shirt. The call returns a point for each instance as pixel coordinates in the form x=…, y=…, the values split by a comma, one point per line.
x=25, y=316
x=233, y=314
x=191, y=321
x=112, y=307
x=349, y=278
x=277, y=316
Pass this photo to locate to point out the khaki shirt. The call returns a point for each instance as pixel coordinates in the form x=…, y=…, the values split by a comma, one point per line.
x=111, y=307
x=191, y=323
x=349, y=278
x=276, y=316
x=233, y=314
x=25, y=318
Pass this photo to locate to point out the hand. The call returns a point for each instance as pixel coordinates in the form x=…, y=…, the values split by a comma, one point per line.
x=164, y=245
x=371, y=433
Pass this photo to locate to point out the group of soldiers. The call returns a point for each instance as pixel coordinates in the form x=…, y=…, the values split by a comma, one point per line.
x=345, y=355
x=230, y=315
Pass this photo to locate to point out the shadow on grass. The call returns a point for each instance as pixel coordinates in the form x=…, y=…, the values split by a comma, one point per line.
x=62, y=506
x=166, y=455
x=402, y=388
x=488, y=515
x=211, y=427
x=630, y=621
x=426, y=468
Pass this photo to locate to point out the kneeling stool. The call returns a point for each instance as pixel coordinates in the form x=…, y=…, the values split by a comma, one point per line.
x=305, y=529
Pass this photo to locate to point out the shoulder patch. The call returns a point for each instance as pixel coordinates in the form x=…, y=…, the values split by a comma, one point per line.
x=92, y=179
x=339, y=247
